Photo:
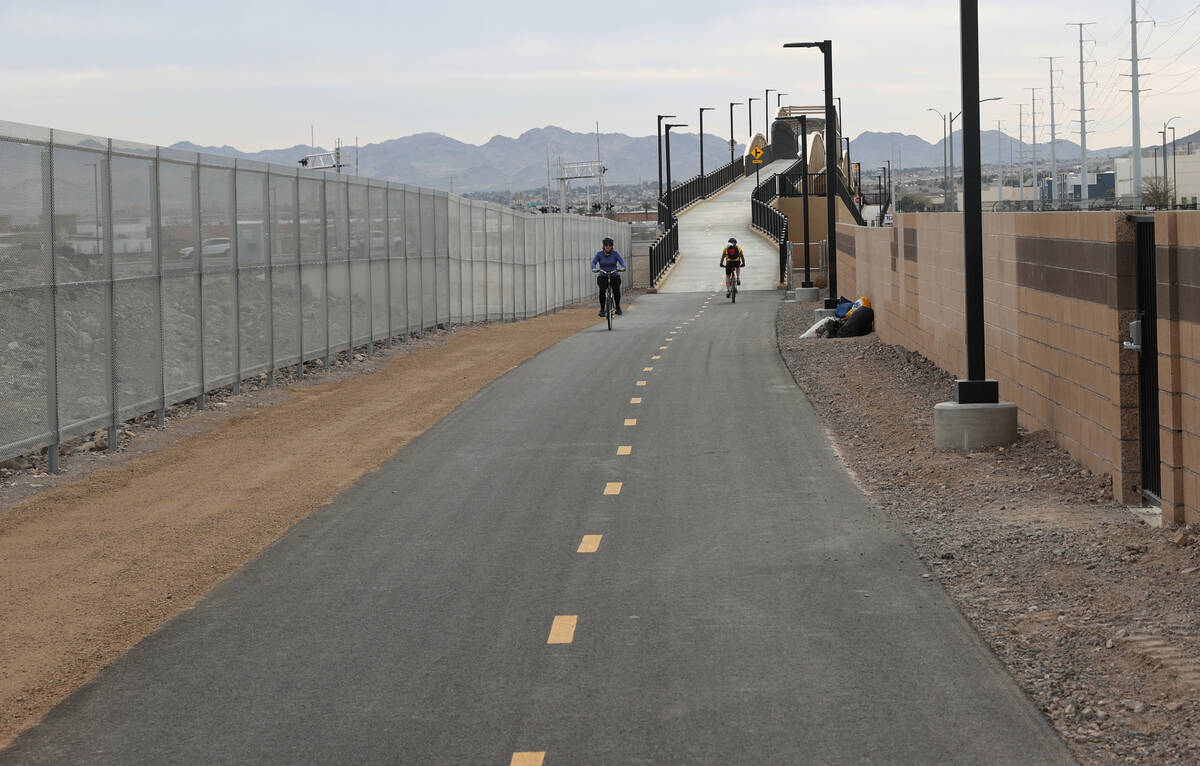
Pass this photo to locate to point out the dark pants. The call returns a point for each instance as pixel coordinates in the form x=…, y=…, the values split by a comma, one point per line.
x=603, y=281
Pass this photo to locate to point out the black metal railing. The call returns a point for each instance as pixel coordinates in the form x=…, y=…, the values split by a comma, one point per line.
x=769, y=220
x=791, y=184
x=664, y=249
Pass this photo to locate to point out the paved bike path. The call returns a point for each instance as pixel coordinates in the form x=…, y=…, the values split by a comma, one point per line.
x=745, y=603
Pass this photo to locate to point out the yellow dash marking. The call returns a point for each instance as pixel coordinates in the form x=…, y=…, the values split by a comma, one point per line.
x=678, y=327
x=673, y=332
x=656, y=356
x=647, y=369
x=527, y=759
x=589, y=544
x=636, y=400
x=667, y=340
x=563, y=629
x=641, y=382
x=662, y=348
x=612, y=488
x=624, y=449
x=631, y=421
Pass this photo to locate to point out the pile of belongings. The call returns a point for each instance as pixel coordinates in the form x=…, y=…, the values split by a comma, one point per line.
x=849, y=320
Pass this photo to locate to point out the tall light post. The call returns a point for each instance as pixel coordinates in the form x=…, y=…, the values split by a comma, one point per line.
x=670, y=194
x=750, y=117
x=953, y=182
x=767, y=113
x=661, y=117
x=778, y=99
x=1174, y=164
x=1166, y=176
x=945, y=177
x=703, y=184
x=732, y=140
x=831, y=146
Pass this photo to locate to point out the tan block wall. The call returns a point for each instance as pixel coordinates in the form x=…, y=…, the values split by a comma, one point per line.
x=1056, y=302
x=1177, y=264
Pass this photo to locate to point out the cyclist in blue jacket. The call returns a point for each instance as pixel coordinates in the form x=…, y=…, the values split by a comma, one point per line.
x=608, y=260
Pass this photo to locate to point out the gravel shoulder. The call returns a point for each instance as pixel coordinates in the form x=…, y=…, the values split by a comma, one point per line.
x=1093, y=611
x=96, y=558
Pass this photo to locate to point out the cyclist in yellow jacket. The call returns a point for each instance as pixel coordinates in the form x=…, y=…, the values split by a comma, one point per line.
x=733, y=259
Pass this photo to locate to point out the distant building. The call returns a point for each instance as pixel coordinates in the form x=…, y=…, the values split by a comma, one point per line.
x=1183, y=171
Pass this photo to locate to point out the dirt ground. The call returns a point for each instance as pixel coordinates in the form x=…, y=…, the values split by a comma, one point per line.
x=96, y=558
x=1093, y=611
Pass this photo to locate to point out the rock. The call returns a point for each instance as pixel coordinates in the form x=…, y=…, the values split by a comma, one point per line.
x=1182, y=538
x=1135, y=706
x=948, y=556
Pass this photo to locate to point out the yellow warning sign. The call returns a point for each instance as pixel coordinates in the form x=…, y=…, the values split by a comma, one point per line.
x=757, y=153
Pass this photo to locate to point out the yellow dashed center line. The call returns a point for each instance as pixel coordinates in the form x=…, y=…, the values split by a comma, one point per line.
x=641, y=382
x=589, y=544
x=631, y=421
x=527, y=759
x=647, y=369
x=662, y=348
x=624, y=449
x=636, y=400
x=656, y=356
x=612, y=488
x=562, y=631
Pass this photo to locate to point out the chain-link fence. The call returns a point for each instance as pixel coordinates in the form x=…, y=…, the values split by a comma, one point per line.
x=133, y=277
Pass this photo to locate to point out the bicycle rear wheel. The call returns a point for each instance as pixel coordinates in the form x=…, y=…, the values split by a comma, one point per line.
x=733, y=293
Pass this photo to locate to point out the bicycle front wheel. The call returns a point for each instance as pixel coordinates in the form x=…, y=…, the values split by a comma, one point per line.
x=609, y=309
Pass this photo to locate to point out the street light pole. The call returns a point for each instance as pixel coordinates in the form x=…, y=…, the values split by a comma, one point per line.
x=657, y=207
x=750, y=118
x=732, y=141
x=804, y=185
x=766, y=114
x=831, y=147
x=670, y=190
x=778, y=99
x=945, y=178
x=703, y=182
x=1174, y=165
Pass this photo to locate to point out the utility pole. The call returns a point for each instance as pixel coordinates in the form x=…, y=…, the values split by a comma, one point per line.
x=1000, y=159
x=1083, y=176
x=1053, y=155
x=1021, y=148
x=1136, y=181
x=1033, y=140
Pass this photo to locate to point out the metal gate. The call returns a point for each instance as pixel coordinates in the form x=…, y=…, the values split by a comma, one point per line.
x=1147, y=314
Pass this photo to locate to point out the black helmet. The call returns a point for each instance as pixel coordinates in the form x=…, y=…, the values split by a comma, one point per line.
x=607, y=241
x=732, y=241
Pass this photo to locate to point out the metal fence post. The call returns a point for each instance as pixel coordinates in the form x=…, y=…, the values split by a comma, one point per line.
x=201, y=402
x=299, y=275
x=52, y=414
x=349, y=275
x=114, y=396
x=156, y=235
x=237, y=282
x=325, y=270
x=269, y=256
x=370, y=281
x=387, y=257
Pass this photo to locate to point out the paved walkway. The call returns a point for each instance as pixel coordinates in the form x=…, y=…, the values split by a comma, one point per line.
x=602, y=558
x=703, y=231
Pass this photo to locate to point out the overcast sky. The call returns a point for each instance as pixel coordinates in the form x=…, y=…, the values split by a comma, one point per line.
x=257, y=75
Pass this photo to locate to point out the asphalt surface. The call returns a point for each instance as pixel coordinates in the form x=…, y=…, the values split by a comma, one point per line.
x=746, y=603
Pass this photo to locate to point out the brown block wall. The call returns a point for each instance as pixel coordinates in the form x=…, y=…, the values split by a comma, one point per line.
x=1177, y=273
x=1058, y=293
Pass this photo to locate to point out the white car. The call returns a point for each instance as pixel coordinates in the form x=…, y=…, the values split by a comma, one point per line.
x=211, y=246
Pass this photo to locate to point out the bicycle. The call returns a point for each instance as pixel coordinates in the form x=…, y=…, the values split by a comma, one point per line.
x=731, y=286
x=610, y=301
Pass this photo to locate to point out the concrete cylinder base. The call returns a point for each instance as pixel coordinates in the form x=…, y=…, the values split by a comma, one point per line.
x=808, y=294
x=966, y=427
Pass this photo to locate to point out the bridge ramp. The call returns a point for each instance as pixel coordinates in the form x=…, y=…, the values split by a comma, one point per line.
x=706, y=226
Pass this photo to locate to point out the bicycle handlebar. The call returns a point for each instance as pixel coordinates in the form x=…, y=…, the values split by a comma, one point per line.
x=605, y=271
